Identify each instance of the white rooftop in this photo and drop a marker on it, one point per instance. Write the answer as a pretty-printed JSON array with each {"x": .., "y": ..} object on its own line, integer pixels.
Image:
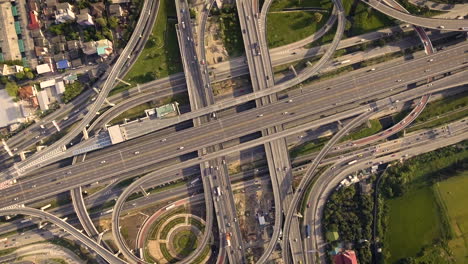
[
  {"x": 9, "y": 110},
  {"x": 47, "y": 83},
  {"x": 43, "y": 68}
]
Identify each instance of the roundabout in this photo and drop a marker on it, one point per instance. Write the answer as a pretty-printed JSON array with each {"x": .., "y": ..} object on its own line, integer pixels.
[{"x": 174, "y": 237}]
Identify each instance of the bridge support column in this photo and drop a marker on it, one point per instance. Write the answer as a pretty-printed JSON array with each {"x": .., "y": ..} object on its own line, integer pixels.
[
  {"x": 109, "y": 103},
  {"x": 85, "y": 133},
  {"x": 340, "y": 125},
  {"x": 41, "y": 225},
  {"x": 404, "y": 132},
  {"x": 22, "y": 155},
  {"x": 100, "y": 236},
  {"x": 122, "y": 81},
  {"x": 5, "y": 146},
  {"x": 291, "y": 67},
  {"x": 143, "y": 191}
]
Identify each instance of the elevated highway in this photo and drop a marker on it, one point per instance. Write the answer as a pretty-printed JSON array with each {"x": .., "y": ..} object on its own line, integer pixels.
[
  {"x": 434, "y": 23},
  {"x": 407, "y": 95},
  {"x": 410, "y": 145},
  {"x": 79, "y": 177},
  {"x": 109, "y": 257},
  {"x": 107, "y": 86},
  {"x": 117, "y": 164}
]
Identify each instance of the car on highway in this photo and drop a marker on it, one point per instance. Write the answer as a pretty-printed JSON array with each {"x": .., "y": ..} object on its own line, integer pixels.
[
  {"x": 181, "y": 148},
  {"x": 103, "y": 161}
]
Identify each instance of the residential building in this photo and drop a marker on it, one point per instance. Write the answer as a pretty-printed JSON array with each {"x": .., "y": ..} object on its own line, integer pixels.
[
  {"x": 28, "y": 94},
  {"x": 43, "y": 68},
  {"x": 345, "y": 257},
  {"x": 89, "y": 48},
  {"x": 43, "y": 100},
  {"x": 84, "y": 19},
  {"x": 77, "y": 63},
  {"x": 104, "y": 48},
  {"x": 36, "y": 33},
  {"x": 33, "y": 21},
  {"x": 6, "y": 70},
  {"x": 63, "y": 64},
  {"x": 9, "y": 43},
  {"x": 33, "y": 6},
  {"x": 59, "y": 87},
  {"x": 97, "y": 9},
  {"x": 48, "y": 83},
  {"x": 115, "y": 10},
  {"x": 41, "y": 51},
  {"x": 120, "y": 1},
  {"x": 51, "y": 3},
  {"x": 73, "y": 45},
  {"x": 64, "y": 13}
]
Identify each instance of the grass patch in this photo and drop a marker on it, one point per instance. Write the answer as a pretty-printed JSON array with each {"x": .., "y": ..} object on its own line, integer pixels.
[
  {"x": 438, "y": 112},
  {"x": 161, "y": 56},
  {"x": 364, "y": 130},
  {"x": 157, "y": 224},
  {"x": 7, "y": 251},
  {"x": 171, "y": 225},
  {"x": 308, "y": 147},
  {"x": 417, "y": 225},
  {"x": 132, "y": 113},
  {"x": 72, "y": 246},
  {"x": 453, "y": 197},
  {"x": 166, "y": 254},
  {"x": 285, "y": 28},
  {"x": 194, "y": 222},
  {"x": 203, "y": 255},
  {"x": 413, "y": 223},
  {"x": 230, "y": 31},
  {"x": 363, "y": 18},
  {"x": 185, "y": 242},
  {"x": 58, "y": 260}
]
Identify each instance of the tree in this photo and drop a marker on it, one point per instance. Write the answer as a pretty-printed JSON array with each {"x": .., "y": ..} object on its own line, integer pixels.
[
  {"x": 20, "y": 75},
  {"x": 11, "y": 88},
  {"x": 102, "y": 22},
  {"x": 317, "y": 17},
  {"x": 29, "y": 75},
  {"x": 113, "y": 22},
  {"x": 71, "y": 91}
]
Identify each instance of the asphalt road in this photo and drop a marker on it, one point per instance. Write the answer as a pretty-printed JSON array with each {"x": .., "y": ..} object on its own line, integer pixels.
[
  {"x": 410, "y": 145},
  {"x": 434, "y": 23},
  {"x": 123, "y": 158}
]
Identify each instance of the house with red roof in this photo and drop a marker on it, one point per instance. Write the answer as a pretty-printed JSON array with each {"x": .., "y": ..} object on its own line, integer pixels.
[{"x": 345, "y": 257}]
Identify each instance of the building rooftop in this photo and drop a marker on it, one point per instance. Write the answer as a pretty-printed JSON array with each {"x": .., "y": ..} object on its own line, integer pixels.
[
  {"x": 43, "y": 68},
  {"x": 63, "y": 64},
  {"x": 167, "y": 109},
  {"x": 345, "y": 257},
  {"x": 10, "y": 112},
  {"x": 8, "y": 37}
]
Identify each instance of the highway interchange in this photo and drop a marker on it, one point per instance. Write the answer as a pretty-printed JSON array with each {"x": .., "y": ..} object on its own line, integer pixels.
[{"x": 269, "y": 117}]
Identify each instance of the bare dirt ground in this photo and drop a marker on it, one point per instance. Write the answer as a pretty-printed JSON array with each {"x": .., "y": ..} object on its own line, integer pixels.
[
  {"x": 251, "y": 203},
  {"x": 129, "y": 227},
  {"x": 215, "y": 51}
]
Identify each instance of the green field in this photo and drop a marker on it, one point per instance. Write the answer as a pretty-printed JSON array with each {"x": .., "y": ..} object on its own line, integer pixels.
[
  {"x": 185, "y": 242},
  {"x": 308, "y": 147},
  {"x": 161, "y": 56},
  {"x": 427, "y": 219},
  {"x": 454, "y": 199},
  {"x": 364, "y": 130},
  {"x": 285, "y": 28},
  {"x": 413, "y": 223}
]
